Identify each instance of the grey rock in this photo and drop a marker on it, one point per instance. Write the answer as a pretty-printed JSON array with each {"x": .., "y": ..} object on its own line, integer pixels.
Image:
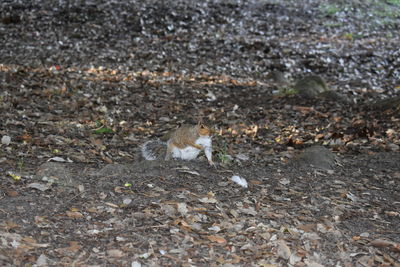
[
  {"x": 278, "y": 77},
  {"x": 317, "y": 157},
  {"x": 311, "y": 86},
  {"x": 56, "y": 172}
]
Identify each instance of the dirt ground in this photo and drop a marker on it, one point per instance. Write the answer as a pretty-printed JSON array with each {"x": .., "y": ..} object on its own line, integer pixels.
[{"x": 85, "y": 83}]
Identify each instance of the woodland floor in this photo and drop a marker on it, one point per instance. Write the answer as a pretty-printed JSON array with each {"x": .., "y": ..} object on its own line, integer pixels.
[{"x": 87, "y": 82}]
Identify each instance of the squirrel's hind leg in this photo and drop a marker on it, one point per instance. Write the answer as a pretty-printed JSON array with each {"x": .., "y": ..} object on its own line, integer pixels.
[{"x": 168, "y": 153}]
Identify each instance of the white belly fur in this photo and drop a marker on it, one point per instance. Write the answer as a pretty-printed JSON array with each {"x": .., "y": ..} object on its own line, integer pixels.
[{"x": 189, "y": 152}]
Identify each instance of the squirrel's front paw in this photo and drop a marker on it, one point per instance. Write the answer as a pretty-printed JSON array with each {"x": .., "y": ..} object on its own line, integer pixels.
[{"x": 212, "y": 163}]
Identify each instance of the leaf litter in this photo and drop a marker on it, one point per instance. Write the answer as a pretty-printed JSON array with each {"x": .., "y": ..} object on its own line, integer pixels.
[{"x": 85, "y": 83}]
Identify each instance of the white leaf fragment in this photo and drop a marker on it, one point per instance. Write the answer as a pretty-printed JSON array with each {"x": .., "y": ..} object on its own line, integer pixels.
[
  {"x": 239, "y": 180},
  {"x": 182, "y": 208},
  {"x": 15, "y": 244},
  {"x": 207, "y": 200},
  {"x": 59, "y": 159},
  {"x": 190, "y": 172},
  {"x": 215, "y": 228},
  {"x": 93, "y": 232},
  {"x": 242, "y": 157},
  {"x": 136, "y": 264},
  {"x": 211, "y": 96},
  {"x": 249, "y": 210},
  {"x": 81, "y": 188},
  {"x": 127, "y": 201},
  {"x": 144, "y": 255},
  {"x": 351, "y": 196},
  {"x": 284, "y": 181},
  {"x": 41, "y": 187}
]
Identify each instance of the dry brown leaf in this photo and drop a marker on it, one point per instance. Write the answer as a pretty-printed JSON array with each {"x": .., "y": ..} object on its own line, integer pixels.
[
  {"x": 236, "y": 259},
  {"x": 74, "y": 246},
  {"x": 319, "y": 136},
  {"x": 221, "y": 260},
  {"x": 217, "y": 239},
  {"x": 118, "y": 189},
  {"x": 307, "y": 227},
  {"x": 31, "y": 242},
  {"x": 92, "y": 210},
  {"x": 12, "y": 193},
  {"x": 11, "y": 225},
  {"x": 74, "y": 214},
  {"x": 386, "y": 243},
  {"x": 112, "y": 205},
  {"x": 115, "y": 253},
  {"x": 107, "y": 159},
  {"x": 304, "y": 110},
  {"x": 185, "y": 226}
]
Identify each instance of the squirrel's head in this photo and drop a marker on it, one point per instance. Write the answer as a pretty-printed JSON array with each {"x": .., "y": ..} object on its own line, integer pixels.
[{"x": 203, "y": 129}]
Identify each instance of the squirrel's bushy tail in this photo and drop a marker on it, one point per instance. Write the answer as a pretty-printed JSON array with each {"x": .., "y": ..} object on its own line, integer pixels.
[{"x": 152, "y": 150}]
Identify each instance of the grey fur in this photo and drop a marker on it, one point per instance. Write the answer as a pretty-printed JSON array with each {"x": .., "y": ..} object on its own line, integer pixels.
[{"x": 152, "y": 150}]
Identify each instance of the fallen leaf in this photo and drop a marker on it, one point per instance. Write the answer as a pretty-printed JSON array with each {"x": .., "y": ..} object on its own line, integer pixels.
[
  {"x": 12, "y": 193},
  {"x": 11, "y": 225},
  {"x": 182, "y": 208},
  {"x": 74, "y": 246},
  {"x": 31, "y": 242},
  {"x": 208, "y": 200},
  {"x": 217, "y": 239},
  {"x": 136, "y": 264},
  {"x": 59, "y": 159},
  {"x": 386, "y": 243},
  {"x": 239, "y": 180},
  {"x": 306, "y": 227},
  {"x": 115, "y": 253},
  {"x": 215, "y": 228},
  {"x": 38, "y": 186},
  {"x": 74, "y": 214},
  {"x": 14, "y": 176}
]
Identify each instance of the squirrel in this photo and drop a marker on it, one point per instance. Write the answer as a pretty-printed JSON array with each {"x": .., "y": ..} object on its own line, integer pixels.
[{"x": 184, "y": 143}]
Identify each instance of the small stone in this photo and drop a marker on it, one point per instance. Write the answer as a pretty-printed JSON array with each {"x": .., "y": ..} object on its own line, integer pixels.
[
  {"x": 393, "y": 147},
  {"x": 242, "y": 157},
  {"x": 283, "y": 250},
  {"x": 6, "y": 140},
  {"x": 364, "y": 234},
  {"x": 127, "y": 201},
  {"x": 136, "y": 264},
  {"x": 314, "y": 264},
  {"x": 42, "y": 260}
]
